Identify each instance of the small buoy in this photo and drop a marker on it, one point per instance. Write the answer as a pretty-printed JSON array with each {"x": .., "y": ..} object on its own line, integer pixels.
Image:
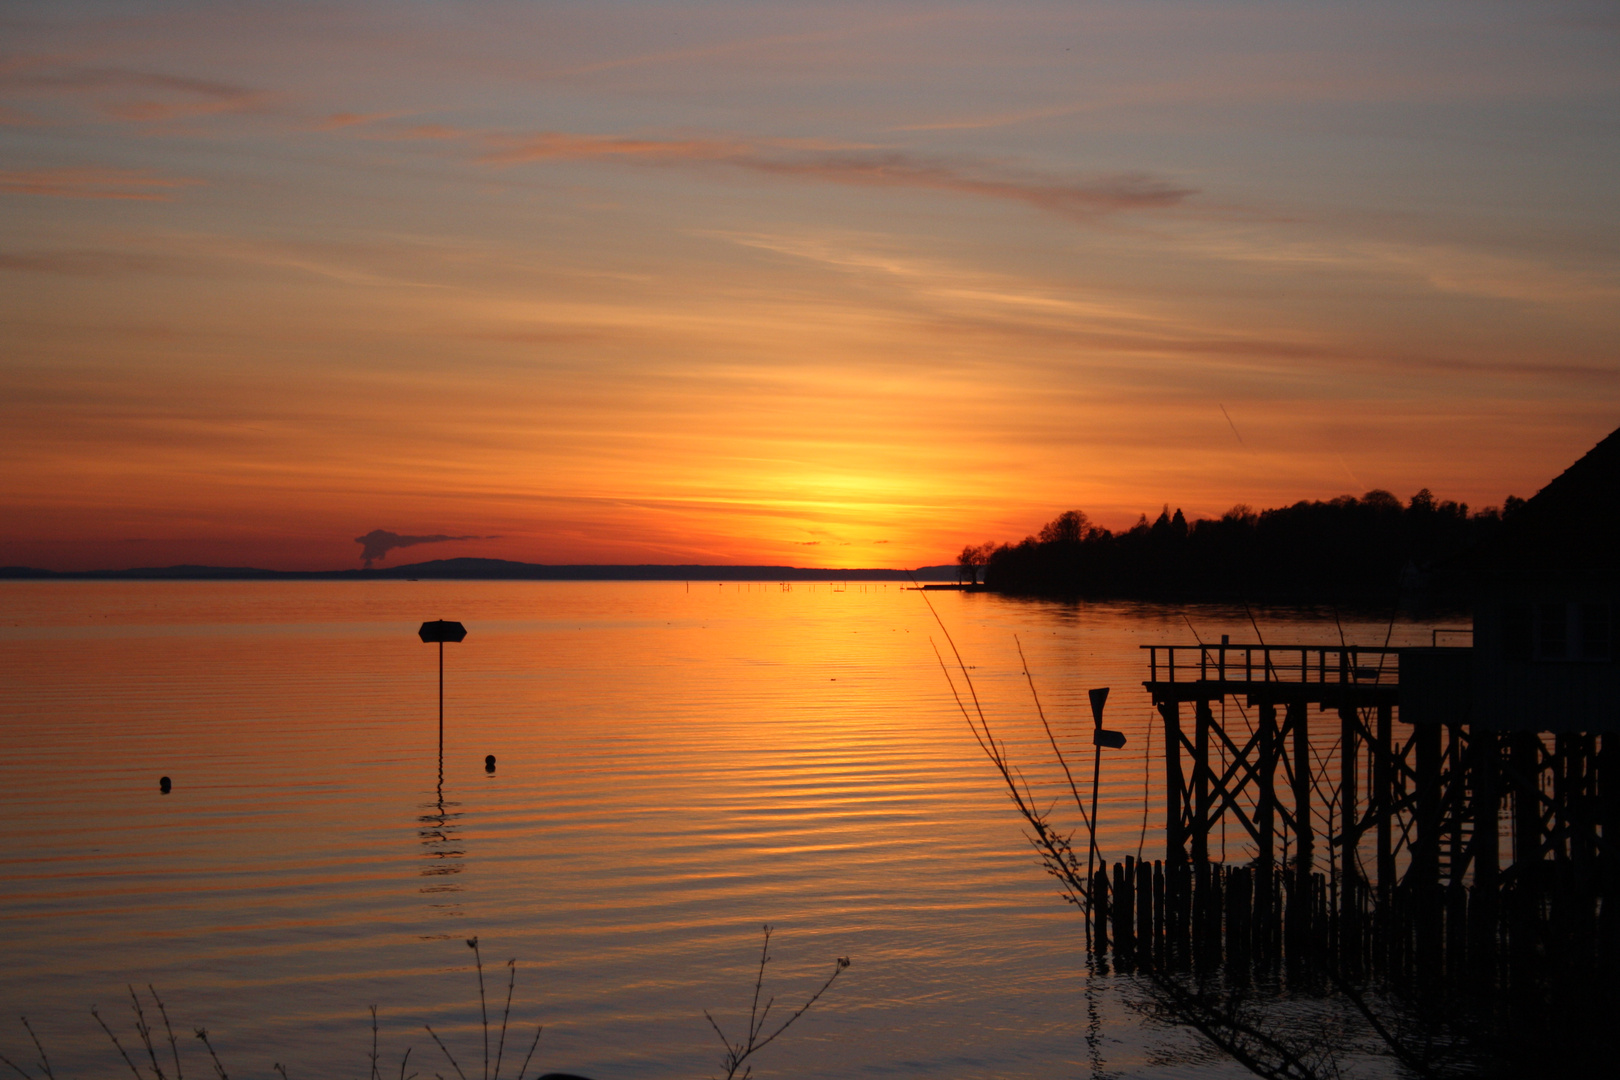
[
  {"x": 489, "y": 762},
  {"x": 164, "y": 785}
]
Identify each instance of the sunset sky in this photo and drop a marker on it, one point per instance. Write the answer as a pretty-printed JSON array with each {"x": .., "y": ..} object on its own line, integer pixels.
[{"x": 819, "y": 284}]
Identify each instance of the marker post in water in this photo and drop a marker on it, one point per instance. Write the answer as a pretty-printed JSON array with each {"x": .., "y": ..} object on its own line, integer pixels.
[
  {"x": 1100, "y": 737},
  {"x": 441, "y": 631}
]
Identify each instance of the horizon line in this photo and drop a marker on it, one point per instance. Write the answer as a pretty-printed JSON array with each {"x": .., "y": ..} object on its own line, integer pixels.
[{"x": 474, "y": 568}]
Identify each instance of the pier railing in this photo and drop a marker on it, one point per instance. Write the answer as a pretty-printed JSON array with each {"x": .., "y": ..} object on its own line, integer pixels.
[{"x": 1233, "y": 662}]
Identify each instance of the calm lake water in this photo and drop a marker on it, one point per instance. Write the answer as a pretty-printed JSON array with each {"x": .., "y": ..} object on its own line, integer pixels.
[{"x": 677, "y": 765}]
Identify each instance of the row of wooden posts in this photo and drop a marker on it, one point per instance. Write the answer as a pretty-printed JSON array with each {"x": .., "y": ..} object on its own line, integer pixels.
[{"x": 1511, "y": 941}]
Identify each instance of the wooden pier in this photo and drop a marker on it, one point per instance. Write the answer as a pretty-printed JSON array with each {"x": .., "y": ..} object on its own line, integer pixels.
[{"x": 1373, "y": 815}]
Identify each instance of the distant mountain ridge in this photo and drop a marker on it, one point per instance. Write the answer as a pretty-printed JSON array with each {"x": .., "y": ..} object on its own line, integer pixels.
[{"x": 493, "y": 570}]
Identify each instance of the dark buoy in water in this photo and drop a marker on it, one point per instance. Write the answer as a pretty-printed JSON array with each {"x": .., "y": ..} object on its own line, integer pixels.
[
  {"x": 164, "y": 785},
  {"x": 489, "y": 762}
]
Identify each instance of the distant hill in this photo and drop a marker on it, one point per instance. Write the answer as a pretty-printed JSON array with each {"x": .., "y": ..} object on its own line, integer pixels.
[{"x": 492, "y": 570}]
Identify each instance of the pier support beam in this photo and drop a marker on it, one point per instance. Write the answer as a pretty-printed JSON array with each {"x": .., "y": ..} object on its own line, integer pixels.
[
  {"x": 1350, "y": 891},
  {"x": 1201, "y": 778},
  {"x": 1266, "y": 815},
  {"x": 1299, "y": 897},
  {"x": 1426, "y": 851},
  {"x": 1382, "y": 798},
  {"x": 1524, "y": 759},
  {"x": 1174, "y": 784},
  {"x": 1484, "y": 774}
]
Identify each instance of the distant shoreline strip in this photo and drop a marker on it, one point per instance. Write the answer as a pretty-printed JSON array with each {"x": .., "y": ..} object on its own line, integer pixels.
[{"x": 491, "y": 570}]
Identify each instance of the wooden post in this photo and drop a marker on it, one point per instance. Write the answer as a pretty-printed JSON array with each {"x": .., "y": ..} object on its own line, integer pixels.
[
  {"x": 1525, "y": 918},
  {"x": 1160, "y": 926},
  {"x": 1144, "y": 914},
  {"x": 1266, "y": 813},
  {"x": 1099, "y": 910},
  {"x": 1483, "y": 911},
  {"x": 1201, "y": 771},
  {"x": 1456, "y": 793},
  {"x": 1179, "y": 884},
  {"x": 1124, "y": 912},
  {"x": 1174, "y": 783},
  {"x": 1349, "y": 834},
  {"x": 1299, "y": 913},
  {"x": 1382, "y": 798},
  {"x": 1525, "y": 756},
  {"x": 1237, "y": 924},
  {"x": 1426, "y": 850},
  {"x": 1266, "y": 802}
]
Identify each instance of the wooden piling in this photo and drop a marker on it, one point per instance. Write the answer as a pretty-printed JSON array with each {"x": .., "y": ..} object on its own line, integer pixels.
[
  {"x": 1265, "y": 819},
  {"x": 1484, "y": 778},
  {"x": 1161, "y": 930},
  {"x": 1099, "y": 911},
  {"x": 1144, "y": 914},
  {"x": 1124, "y": 912},
  {"x": 1350, "y": 893},
  {"x": 1201, "y": 781},
  {"x": 1382, "y": 797},
  {"x": 1175, "y": 831},
  {"x": 1304, "y": 830},
  {"x": 1425, "y": 898}
]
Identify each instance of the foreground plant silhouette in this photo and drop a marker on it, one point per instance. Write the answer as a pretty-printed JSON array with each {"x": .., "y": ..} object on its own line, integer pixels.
[
  {"x": 739, "y": 1052},
  {"x": 483, "y": 1011},
  {"x": 153, "y": 1065}
]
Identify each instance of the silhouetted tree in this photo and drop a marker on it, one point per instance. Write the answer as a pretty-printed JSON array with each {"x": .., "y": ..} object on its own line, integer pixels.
[
  {"x": 1347, "y": 549},
  {"x": 972, "y": 559},
  {"x": 1068, "y": 527}
]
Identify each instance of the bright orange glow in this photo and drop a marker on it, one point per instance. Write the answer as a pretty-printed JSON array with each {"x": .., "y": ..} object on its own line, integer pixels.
[{"x": 608, "y": 301}]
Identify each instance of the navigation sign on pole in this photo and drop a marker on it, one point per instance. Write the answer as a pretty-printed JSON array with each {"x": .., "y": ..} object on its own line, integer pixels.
[
  {"x": 441, "y": 631},
  {"x": 1100, "y": 735}
]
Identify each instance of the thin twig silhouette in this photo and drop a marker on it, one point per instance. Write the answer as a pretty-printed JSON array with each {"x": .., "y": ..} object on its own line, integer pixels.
[{"x": 737, "y": 1053}]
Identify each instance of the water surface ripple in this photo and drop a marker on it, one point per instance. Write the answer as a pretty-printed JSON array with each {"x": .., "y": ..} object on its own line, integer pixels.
[{"x": 677, "y": 765}]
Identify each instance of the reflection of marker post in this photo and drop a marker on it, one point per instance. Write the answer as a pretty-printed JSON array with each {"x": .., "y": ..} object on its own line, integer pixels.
[
  {"x": 1100, "y": 737},
  {"x": 441, "y": 631}
]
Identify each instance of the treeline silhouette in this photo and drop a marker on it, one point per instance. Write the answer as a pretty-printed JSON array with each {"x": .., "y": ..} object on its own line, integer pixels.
[{"x": 1347, "y": 550}]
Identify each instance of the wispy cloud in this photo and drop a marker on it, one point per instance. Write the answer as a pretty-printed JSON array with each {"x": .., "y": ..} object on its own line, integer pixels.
[
  {"x": 1444, "y": 267},
  {"x": 132, "y": 95},
  {"x": 1080, "y": 197},
  {"x": 89, "y": 182}
]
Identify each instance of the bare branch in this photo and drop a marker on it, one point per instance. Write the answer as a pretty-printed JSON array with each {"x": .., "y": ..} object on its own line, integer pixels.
[
  {"x": 115, "y": 1042},
  {"x": 446, "y": 1050}
]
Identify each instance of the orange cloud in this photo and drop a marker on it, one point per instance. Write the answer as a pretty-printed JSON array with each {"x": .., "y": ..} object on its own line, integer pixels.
[
  {"x": 338, "y": 121},
  {"x": 90, "y": 182}
]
